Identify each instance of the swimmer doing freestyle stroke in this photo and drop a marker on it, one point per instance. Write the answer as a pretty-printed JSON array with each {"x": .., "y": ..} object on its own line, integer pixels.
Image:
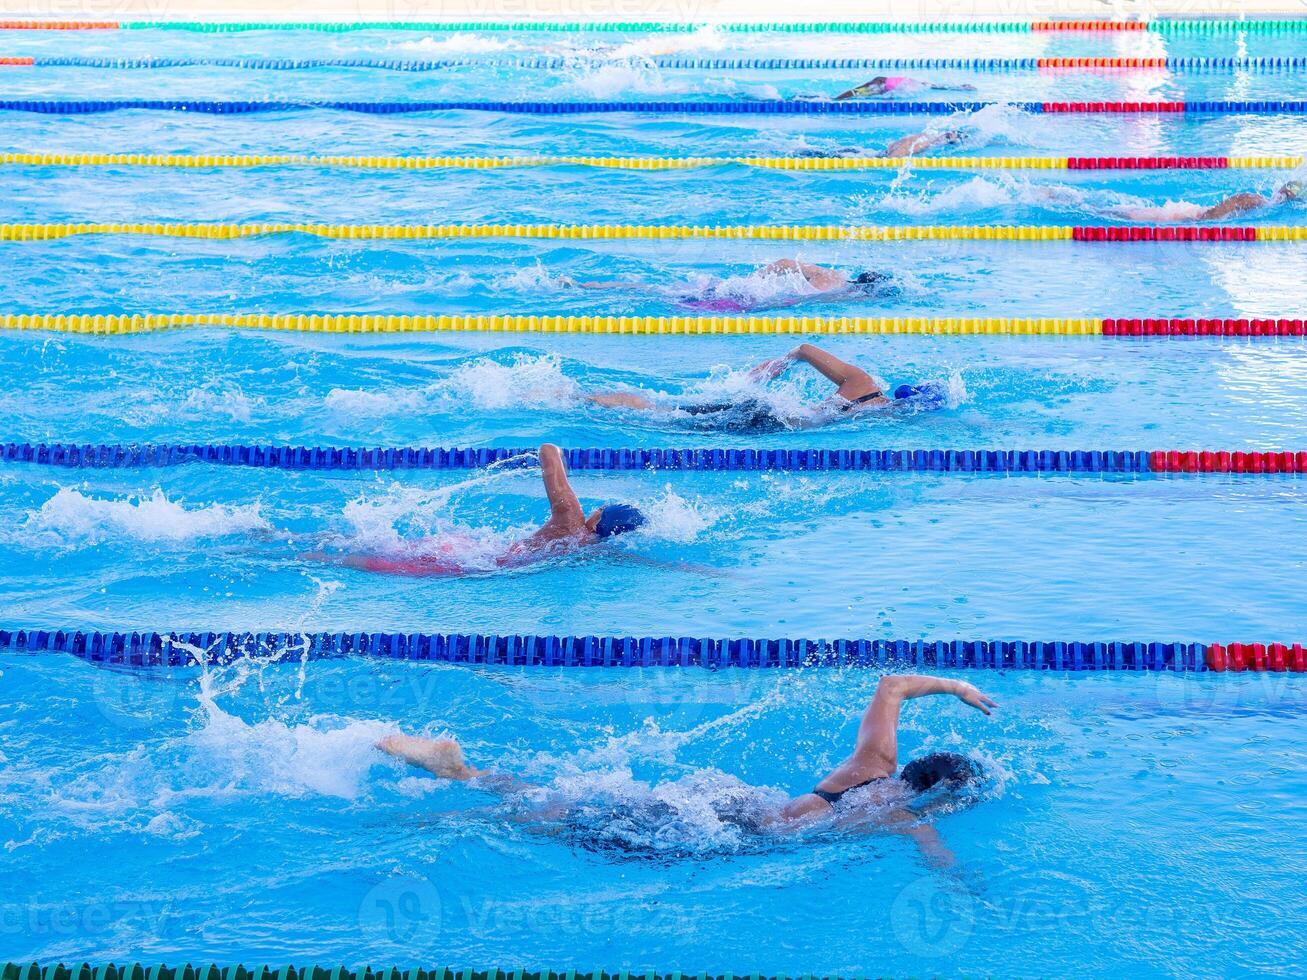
[
  {"x": 568, "y": 529},
  {"x": 867, "y": 792},
  {"x": 856, "y": 391},
  {"x": 885, "y": 85},
  {"x": 779, "y": 284},
  {"x": 1232, "y": 206}
]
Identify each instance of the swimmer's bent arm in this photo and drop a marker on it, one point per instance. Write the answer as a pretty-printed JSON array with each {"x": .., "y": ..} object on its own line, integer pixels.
[
  {"x": 876, "y": 751},
  {"x": 850, "y": 381},
  {"x": 563, "y": 504},
  {"x": 823, "y": 361}
]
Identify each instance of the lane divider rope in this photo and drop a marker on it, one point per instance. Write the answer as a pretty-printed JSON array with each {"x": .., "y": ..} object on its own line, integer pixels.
[
  {"x": 741, "y": 107},
  {"x": 183, "y": 649},
  {"x": 891, "y": 233},
  {"x": 556, "y": 62},
  {"x": 1003, "y": 461},
  {"x": 206, "y": 161},
  {"x": 108, "y": 324},
  {"x": 1162, "y": 25},
  {"x": 702, "y": 107}
]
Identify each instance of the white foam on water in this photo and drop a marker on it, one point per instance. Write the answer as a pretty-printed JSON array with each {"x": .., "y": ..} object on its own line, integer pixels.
[
  {"x": 523, "y": 380},
  {"x": 672, "y": 517},
  {"x": 999, "y": 123},
  {"x": 71, "y": 517},
  {"x": 533, "y": 278},
  {"x": 608, "y": 80},
  {"x": 527, "y": 380},
  {"x": 656, "y": 45},
  {"x": 458, "y": 44},
  {"x": 220, "y": 399},
  {"x": 754, "y": 291},
  {"x": 381, "y": 403},
  {"x": 787, "y": 397},
  {"x": 327, "y": 756},
  {"x": 413, "y": 521}
]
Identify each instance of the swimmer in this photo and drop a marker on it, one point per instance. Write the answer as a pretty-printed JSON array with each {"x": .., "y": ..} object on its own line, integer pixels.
[
  {"x": 567, "y": 530},
  {"x": 904, "y": 146},
  {"x": 1235, "y": 204},
  {"x": 856, "y": 391},
  {"x": 783, "y": 283},
  {"x": 897, "y": 85},
  {"x": 865, "y": 792}
]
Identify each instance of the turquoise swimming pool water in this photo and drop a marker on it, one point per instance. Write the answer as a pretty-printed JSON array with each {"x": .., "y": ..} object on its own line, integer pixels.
[{"x": 1128, "y": 825}]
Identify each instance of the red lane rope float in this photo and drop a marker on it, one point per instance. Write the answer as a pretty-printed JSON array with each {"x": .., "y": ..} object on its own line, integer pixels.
[
  {"x": 1113, "y": 106},
  {"x": 1085, "y": 233},
  {"x": 1257, "y": 462},
  {"x": 1238, "y": 657},
  {"x": 1089, "y": 25},
  {"x": 1147, "y": 163},
  {"x": 17, "y": 61},
  {"x": 1101, "y": 62},
  {"x": 59, "y": 25},
  {"x": 1201, "y": 327}
]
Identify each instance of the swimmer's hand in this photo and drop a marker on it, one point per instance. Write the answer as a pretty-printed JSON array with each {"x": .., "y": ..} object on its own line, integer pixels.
[
  {"x": 970, "y": 694},
  {"x": 774, "y": 368}
]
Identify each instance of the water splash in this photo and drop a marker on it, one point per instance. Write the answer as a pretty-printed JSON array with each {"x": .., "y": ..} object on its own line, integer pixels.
[
  {"x": 458, "y": 44},
  {"x": 72, "y": 518},
  {"x": 515, "y": 380},
  {"x": 529, "y": 380}
]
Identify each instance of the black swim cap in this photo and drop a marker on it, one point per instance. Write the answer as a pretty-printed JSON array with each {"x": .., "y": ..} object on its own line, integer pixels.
[
  {"x": 939, "y": 767},
  {"x": 869, "y": 277}
]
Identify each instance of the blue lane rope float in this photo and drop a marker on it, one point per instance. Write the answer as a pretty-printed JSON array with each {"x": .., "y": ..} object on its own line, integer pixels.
[
  {"x": 740, "y": 107},
  {"x": 91, "y": 456},
  {"x": 556, "y": 62},
  {"x": 147, "y": 649}
]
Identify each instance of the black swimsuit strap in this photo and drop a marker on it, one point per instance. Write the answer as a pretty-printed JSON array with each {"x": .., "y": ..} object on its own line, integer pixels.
[
  {"x": 834, "y": 797},
  {"x": 862, "y": 398}
]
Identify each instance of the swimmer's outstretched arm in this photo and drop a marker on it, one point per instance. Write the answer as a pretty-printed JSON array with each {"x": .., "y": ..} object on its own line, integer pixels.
[
  {"x": 622, "y": 399},
  {"x": 364, "y": 562}
]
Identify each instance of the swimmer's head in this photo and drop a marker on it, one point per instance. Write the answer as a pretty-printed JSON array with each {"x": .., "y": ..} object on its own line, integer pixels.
[
  {"x": 868, "y": 280},
  {"x": 948, "y": 769},
  {"x": 926, "y": 395},
  {"x": 952, "y": 137},
  {"x": 1291, "y": 190},
  {"x": 613, "y": 519}
]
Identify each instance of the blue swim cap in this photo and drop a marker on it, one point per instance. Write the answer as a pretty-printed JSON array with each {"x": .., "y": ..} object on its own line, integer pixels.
[
  {"x": 929, "y": 394},
  {"x": 618, "y": 519}
]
